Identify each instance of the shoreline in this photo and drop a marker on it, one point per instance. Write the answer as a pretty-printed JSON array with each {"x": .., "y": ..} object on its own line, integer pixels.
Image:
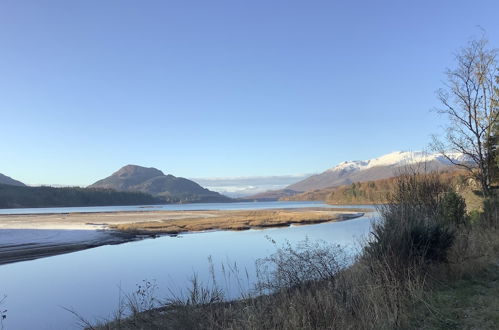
[
  {"x": 146, "y": 229},
  {"x": 40, "y": 247},
  {"x": 29, "y": 237}
]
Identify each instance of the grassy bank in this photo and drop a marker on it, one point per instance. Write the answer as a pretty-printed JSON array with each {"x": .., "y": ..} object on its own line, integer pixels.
[
  {"x": 360, "y": 297},
  {"x": 428, "y": 264},
  {"x": 468, "y": 302},
  {"x": 239, "y": 220}
]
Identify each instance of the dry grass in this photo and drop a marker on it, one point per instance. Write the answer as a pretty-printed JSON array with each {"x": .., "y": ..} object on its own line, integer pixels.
[
  {"x": 464, "y": 294},
  {"x": 468, "y": 303},
  {"x": 312, "y": 288},
  {"x": 237, "y": 220}
]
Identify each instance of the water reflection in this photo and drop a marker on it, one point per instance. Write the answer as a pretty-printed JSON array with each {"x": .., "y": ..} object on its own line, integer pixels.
[{"x": 178, "y": 207}]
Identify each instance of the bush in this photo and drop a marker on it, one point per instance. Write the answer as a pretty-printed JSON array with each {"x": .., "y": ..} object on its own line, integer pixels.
[
  {"x": 292, "y": 266},
  {"x": 453, "y": 209},
  {"x": 412, "y": 231},
  {"x": 490, "y": 216},
  {"x": 411, "y": 244}
]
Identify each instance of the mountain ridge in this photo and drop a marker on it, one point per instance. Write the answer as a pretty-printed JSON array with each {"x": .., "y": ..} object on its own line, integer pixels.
[
  {"x": 398, "y": 158},
  {"x": 382, "y": 167},
  {"x": 152, "y": 181},
  {"x": 348, "y": 172},
  {"x": 4, "y": 179},
  {"x": 377, "y": 191}
]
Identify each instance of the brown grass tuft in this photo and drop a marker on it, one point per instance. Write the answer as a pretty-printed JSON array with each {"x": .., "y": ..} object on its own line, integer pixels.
[{"x": 236, "y": 220}]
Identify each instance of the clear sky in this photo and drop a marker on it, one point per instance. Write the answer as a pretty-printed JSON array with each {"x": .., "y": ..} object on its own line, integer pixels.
[{"x": 221, "y": 88}]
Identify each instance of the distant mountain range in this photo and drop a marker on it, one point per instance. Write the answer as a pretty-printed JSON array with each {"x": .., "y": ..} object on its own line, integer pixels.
[
  {"x": 171, "y": 189},
  {"x": 8, "y": 180},
  {"x": 248, "y": 185},
  {"x": 149, "y": 180},
  {"x": 347, "y": 172},
  {"x": 386, "y": 166},
  {"x": 271, "y": 195},
  {"x": 378, "y": 191}
]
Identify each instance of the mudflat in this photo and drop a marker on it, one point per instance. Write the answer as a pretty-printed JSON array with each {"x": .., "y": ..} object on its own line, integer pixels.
[
  {"x": 31, "y": 236},
  {"x": 238, "y": 220}
]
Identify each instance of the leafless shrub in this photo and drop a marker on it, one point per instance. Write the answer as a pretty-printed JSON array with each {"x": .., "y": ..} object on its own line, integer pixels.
[
  {"x": 292, "y": 266},
  {"x": 3, "y": 312}
]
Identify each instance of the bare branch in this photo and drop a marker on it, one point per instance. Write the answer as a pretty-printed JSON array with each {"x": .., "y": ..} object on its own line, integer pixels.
[{"x": 470, "y": 102}]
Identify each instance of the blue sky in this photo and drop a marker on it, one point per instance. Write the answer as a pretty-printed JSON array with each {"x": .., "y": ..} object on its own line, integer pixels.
[{"x": 221, "y": 88}]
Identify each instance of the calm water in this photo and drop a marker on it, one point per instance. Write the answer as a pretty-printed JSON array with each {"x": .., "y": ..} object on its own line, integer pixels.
[
  {"x": 89, "y": 281},
  {"x": 174, "y": 207}
]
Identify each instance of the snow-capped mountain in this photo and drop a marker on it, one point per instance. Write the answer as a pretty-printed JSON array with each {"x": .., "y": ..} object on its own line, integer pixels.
[
  {"x": 382, "y": 167},
  {"x": 397, "y": 158}
]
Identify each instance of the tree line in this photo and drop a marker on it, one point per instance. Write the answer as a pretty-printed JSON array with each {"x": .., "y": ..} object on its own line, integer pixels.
[{"x": 21, "y": 197}]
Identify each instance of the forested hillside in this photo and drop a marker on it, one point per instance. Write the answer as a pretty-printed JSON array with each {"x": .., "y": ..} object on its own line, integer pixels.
[
  {"x": 20, "y": 197},
  {"x": 375, "y": 192}
]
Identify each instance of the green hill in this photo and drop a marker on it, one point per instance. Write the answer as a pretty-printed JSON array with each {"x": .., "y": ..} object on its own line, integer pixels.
[{"x": 22, "y": 196}]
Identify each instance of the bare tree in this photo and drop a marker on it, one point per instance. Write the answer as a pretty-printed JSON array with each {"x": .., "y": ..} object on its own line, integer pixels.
[
  {"x": 495, "y": 141},
  {"x": 470, "y": 102}
]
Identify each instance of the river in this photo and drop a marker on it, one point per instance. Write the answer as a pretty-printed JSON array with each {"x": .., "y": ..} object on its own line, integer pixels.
[
  {"x": 178, "y": 207},
  {"x": 38, "y": 292}
]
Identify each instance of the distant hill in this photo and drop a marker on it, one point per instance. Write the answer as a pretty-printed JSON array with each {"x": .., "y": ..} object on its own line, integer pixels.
[
  {"x": 271, "y": 195},
  {"x": 8, "y": 180},
  {"x": 23, "y": 197},
  {"x": 240, "y": 187},
  {"x": 134, "y": 178},
  {"x": 347, "y": 172},
  {"x": 374, "y": 192},
  {"x": 383, "y": 167},
  {"x": 369, "y": 192}
]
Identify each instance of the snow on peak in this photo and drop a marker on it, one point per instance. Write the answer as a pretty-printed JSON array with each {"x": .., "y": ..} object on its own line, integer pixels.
[
  {"x": 402, "y": 158},
  {"x": 349, "y": 166},
  {"x": 397, "y": 158}
]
